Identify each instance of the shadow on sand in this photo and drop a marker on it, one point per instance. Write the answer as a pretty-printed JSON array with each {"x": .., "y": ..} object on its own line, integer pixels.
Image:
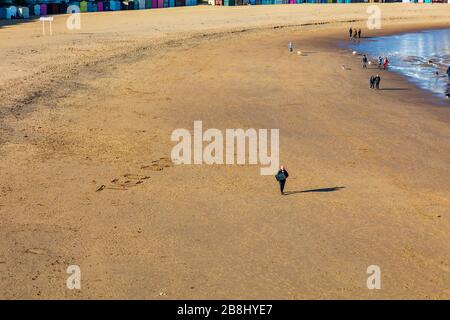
[{"x": 314, "y": 190}]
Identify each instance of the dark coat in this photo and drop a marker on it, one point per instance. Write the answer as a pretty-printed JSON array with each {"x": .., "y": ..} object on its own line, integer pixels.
[
  {"x": 286, "y": 174},
  {"x": 377, "y": 81}
]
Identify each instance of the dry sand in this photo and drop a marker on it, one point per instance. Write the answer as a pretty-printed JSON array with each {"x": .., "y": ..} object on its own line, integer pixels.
[{"x": 81, "y": 109}]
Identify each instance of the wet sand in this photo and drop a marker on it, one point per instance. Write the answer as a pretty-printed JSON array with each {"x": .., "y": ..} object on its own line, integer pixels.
[{"x": 93, "y": 109}]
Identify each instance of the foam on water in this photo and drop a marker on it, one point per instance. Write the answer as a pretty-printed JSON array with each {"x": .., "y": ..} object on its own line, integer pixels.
[{"x": 416, "y": 55}]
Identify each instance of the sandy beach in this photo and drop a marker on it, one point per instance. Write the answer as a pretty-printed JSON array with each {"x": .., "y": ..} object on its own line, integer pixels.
[{"x": 86, "y": 177}]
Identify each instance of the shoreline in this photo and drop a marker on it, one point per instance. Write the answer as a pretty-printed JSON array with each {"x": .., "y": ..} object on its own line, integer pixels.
[
  {"x": 346, "y": 45},
  {"x": 353, "y": 46}
]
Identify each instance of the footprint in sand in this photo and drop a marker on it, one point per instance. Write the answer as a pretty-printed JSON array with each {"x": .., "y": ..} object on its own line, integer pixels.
[
  {"x": 130, "y": 180},
  {"x": 127, "y": 181},
  {"x": 159, "y": 165},
  {"x": 124, "y": 182}
]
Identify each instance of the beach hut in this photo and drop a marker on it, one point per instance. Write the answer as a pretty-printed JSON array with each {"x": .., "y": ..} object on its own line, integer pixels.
[
  {"x": 63, "y": 7},
  {"x": 100, "y": 6},
  {"x": 72, "y": 7},
  {"x": 92, "y": 7},
  {"x": 106, "y": 6},
  {"x": 36, "y": 10},
  {"x": 148, "y": 4},
  {"x": 83, "y": 6},
  {"x": 51, "y": 9},
  {"x": 23, "y": 12},
  {"x": 141, "y": 4},
  {"x": 43, "y": 9},
  {"x": 13, "y": 11},
  {"x": 114, "y": 5},
  {"x": 30, "y": 10},
  {"x": 5, "y": 13}
]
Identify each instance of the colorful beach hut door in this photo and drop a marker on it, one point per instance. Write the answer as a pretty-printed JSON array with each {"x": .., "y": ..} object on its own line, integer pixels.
[
  {"x": 37, "y": 10},
  {"x": 83, "y": 6},
  {"x": 43, "y": 9}
]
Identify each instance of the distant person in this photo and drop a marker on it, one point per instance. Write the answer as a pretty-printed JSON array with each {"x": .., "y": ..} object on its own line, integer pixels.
[
  {"x": 377, "y": 82},
  {"x": 364, "y": 60},
  {"x": 380, "y": 62},
  {"x": 350, "y": 32},
  {"x": 355, "y": 33},
  {"x": 448, "y": 71},
  {"x": 386, "y": 63},
  {"x": 372, "y": 82},
  {"x": 359, "y": 33},
  {"x": 291, "y": 46},
  {"x": 281, "y": 177}
]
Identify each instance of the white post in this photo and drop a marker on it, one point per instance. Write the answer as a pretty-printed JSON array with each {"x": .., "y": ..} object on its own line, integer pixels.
[{"x": 49, "y": 19}]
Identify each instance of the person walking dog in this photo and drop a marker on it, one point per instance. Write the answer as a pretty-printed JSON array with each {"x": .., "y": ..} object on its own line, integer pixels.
[{"x": 281, "y": 177}]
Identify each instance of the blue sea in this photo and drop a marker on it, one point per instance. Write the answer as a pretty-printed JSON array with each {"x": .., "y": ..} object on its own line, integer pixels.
[{"x": 418, "y": 56}]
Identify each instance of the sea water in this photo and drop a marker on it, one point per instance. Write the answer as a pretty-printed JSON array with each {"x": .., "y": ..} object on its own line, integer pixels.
[{"x": 418, "y": 56}]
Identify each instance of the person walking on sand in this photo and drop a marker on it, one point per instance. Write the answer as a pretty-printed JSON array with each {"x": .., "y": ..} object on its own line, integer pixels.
[
  {"x": 377, "y": 82},
  {"x": 380, "y": 62},
  {"x": 291, "y": 46},
  {"x": 355, "y": 33},
  {"x": 364, "y": 60},
  {"x": 372, "y": 82},
  {"x": 350, "y": 32},
  {"x": 359, "y": 33},
  {"x": 281, "y": 177}
]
